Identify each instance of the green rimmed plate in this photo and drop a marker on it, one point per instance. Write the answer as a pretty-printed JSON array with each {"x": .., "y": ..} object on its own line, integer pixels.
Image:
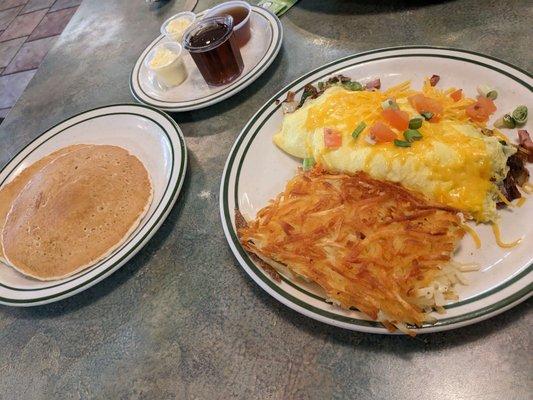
[
  {"x": 194, "y": 93},
  {"x": 256, "y": 171},
  {"x": 149, "y": 134}
]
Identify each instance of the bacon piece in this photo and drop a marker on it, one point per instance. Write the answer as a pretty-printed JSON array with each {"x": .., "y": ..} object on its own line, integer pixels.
[
  {"x": 375, "y": 84},
  {"x": 289, "y": 105},
  {"x": 509, "y": 189},
  {"x": 434, "y": 80},
  {"x": 517, "y": 167},
  {"x": 290, "y": 96},
  {"x": 517, "y": 176},
  {"x": 525, "y": 142},
  {"x": 309, "y": 92}
]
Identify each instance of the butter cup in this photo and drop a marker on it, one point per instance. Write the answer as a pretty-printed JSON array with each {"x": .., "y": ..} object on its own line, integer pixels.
[
  {"x": 177, "y": 37},
  {"x": 173, "y": 73}
]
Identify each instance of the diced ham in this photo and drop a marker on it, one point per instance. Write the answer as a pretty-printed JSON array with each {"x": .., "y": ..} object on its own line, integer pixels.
[
  {"x": 434, "y": 80},
  {"x": 524, "y": 140},
  {"x": 374, "y": 84}
]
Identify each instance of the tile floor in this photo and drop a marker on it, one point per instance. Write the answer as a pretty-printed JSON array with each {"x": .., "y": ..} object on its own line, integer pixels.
[{"x": 28, "y": 29}]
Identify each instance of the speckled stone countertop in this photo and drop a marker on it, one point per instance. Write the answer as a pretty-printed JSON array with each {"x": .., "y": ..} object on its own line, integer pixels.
[{"x": 182, "y": 319}]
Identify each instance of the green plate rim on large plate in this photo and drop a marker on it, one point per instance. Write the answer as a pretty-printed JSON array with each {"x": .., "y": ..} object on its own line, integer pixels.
[{"x": 519, "y": 287}]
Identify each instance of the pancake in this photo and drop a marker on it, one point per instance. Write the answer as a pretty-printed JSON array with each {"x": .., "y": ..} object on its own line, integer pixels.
[
  {"x": 75, "y": 211},
  {"x": 10, "y": 191}
]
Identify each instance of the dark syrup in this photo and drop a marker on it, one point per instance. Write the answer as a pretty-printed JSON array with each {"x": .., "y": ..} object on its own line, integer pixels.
[
  {"x": 238, "y": 14},
  {"x": 221, "y": 64}
]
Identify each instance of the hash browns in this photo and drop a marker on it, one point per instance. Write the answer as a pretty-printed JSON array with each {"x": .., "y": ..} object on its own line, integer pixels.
[{"x": 369, "y": 244}]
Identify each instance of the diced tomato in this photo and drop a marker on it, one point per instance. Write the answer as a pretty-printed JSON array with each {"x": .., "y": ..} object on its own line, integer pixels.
[
  {"x": 396, "y": 118},
  {"x": 486, "y": 103},
  {"x": 457, "y": 95},
  {"x": 423, "y": 104},
  {"x": 477, "y": 113},
  {"x": 332, "y": 138},
  {"x": 481, "y": 110},
  {"x": 381, "y": 133}
]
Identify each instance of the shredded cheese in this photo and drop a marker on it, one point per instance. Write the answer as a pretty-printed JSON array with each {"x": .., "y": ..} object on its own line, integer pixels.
[
  {"x": 528, "y": 188},
  {"x": 473, "y": 234},
  {"x": 496, "y": 230},
  {"x": 520, "y": 202},
  {"x": 452, "y": 110},
  {"x": 503, "y": 198},
  {"x": 500, "y": 135}
]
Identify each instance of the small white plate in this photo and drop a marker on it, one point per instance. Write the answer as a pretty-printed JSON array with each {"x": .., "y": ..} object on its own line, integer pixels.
[
  {"x": 194, "y": 92},
  {"x": 256, "y": 171},
  {"x": 147, "y": 133}
]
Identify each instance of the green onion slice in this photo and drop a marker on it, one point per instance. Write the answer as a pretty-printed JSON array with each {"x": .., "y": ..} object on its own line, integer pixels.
[
  {"x": 389, "y": 103},
  {"x": 505, "y": 122},
  {"x": 353, "y": 86},
  {"x": 487, "y": 91},
  {"x": 415, "y": 123},
  {"x": 401, "y": 143},
  {"x": 520, "y": 115},
  {"x": 411, "y": 135},
  {"x": 493, "y": 95},
  {"x": 358, "y": 129},
  {"x": 509, "y": 121},
  {"x": 427, "y": 115},
  {"x": 499, "y": 123},
  {"x": 308, "y": 163}
]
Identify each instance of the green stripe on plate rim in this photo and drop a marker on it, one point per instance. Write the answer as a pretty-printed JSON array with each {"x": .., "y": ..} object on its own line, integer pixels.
[
  {"x": 260, "y": 274},
  {"x": 162, "y": 214},
  {"x": 453, "y": 305},
  {"x": 87, "y": 271},
  {"x": 236, "y": 88}
]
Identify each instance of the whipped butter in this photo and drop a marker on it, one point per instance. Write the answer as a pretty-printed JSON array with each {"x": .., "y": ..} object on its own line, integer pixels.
[
  {"x": 177, "y": 27},
  {"x": 167, "y": 64}
]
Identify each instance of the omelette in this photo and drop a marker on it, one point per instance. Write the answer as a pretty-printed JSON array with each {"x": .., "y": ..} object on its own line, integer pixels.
[{"x": 451, "y": 161}]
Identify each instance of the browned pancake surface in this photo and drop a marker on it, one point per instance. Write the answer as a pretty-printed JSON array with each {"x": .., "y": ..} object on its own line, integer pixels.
[
  {"x": 10, "y": 191},
  {"x": 75, "y": 211}
]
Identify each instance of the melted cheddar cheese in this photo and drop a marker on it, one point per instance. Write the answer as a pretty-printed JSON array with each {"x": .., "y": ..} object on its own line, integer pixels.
[{"x": 454, "y": 163}]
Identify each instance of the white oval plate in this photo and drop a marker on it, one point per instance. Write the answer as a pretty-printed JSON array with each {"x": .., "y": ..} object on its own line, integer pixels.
[
  {"x": 256, "y": 171},
  {"x": 194, "y": 92},
  {"x": 149, "y": 134}
]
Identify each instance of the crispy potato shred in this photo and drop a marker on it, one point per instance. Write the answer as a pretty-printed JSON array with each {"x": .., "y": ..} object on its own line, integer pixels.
[{"x": 371, "y": 245}]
